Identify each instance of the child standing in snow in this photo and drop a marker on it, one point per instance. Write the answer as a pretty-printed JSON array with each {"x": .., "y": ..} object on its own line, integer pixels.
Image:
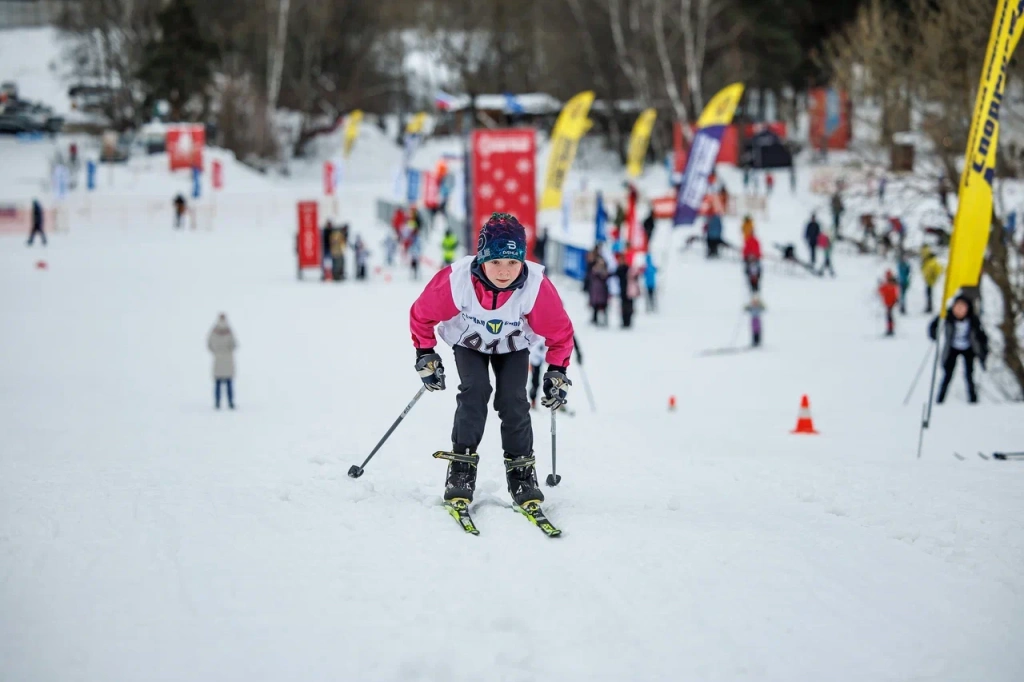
[
  {"x": 650, "y": 282},
  {"x": 903, "y": 276},
  {"x": 890, "y": 295},
  {"x": 756, "y": 309},
  {"x": 362, "y": 257},
  {"x": 491, "y": 308},
  {"x": 825, "y": 244}
]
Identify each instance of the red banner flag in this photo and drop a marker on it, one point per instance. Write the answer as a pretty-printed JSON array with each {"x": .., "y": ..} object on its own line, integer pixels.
[
  {"x": 309, "y": 236},
  {"x": 504, "y": 178},
  {"x": 185, "y": 146},
  {"x": 431, "y": 190}
]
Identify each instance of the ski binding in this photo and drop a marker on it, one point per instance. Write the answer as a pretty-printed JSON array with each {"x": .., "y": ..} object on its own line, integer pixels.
[
  {"x": 533, "y": 512},
  {"x": 459, "y": 509}
]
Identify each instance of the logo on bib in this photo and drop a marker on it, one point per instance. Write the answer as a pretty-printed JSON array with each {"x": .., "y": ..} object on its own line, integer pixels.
[{"x": 494, "y": 326}]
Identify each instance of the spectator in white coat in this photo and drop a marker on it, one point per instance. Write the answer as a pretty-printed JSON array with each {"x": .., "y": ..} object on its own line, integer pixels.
[{"x": 221, "y": 342}]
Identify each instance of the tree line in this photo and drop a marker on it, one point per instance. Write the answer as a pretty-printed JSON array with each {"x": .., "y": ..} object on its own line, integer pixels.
[{"x": 236, "y": 62}]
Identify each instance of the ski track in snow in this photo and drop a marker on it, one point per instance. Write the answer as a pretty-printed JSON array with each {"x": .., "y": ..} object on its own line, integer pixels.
[{"x": 145, "y": 536}]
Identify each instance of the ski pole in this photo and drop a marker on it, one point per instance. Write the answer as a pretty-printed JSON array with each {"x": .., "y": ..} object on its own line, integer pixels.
[
  {"x": 357, "y": 471},
  {"x": 553, "y": 478},
  {"x": 917, "y": 377},
  {"x": 586, "y": 386}
]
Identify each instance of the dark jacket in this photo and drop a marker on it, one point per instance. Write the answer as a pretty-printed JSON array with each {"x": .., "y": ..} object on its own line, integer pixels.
[
  {"x": 978, "y": 337},
  {"x": 37, "y": 215},
  {"x": 811, "y": 232},
  {"x": 597, "y": 280}
]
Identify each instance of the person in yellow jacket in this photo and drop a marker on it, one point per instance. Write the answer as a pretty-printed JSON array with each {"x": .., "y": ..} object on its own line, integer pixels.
[
  {"x": 448, "y": 246},
  {"x": 931, "y": 270},
  {"x": 747, "y": 227}
]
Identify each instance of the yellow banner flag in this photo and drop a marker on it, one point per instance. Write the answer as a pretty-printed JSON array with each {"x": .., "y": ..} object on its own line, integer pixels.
[
  {"x": 352, "y": 130},
  {"x": 974, "y": 211},
  {"x": 572, "y": 124},
  {"x": 415, "y": 124},
  {"x": 720, "y": 110},
  {"x": 638, "y": 142}
]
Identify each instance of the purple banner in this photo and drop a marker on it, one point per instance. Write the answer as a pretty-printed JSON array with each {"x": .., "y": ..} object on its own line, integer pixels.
[{"x": 699, "y": 166}]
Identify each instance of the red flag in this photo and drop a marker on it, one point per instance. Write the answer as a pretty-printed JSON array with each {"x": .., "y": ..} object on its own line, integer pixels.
[
  {"x": 504, "y": 178},
  {"x": 309, "y": 236}
]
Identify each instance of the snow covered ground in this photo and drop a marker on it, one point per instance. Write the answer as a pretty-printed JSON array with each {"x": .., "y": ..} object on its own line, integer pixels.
[{"x": 145, "y": 536}]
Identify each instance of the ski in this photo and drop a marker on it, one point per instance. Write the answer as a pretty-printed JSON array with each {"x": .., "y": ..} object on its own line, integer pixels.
[
  {"x": 459, "y": 510},
  {"x": 1005, "y": 456},
  {"x": 533, "y": 512}
]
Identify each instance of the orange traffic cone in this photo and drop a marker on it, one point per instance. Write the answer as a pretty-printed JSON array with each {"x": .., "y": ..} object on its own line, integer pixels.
[{"x": 804, "y": 423}]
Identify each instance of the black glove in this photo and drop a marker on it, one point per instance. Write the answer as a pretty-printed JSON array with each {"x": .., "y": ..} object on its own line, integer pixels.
[
  {"x": 430, "y": 369},
  {"x": 556, "y": 386}
]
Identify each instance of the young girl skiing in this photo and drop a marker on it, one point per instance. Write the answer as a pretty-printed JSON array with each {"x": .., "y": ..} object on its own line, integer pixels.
[{"x": 491, "y": 308}]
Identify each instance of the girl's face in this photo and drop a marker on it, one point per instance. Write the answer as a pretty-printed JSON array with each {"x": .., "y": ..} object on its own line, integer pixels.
[
  {"x": 503, "y": 271},
  {"x": 959, "y": 310}
]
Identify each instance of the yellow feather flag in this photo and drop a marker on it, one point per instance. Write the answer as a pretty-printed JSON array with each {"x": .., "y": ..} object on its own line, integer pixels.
[
  {"x": 352, "y": 130},
  {"x": 572, "y": 124},
  {"x": 719, "y": 111},
  {"x": 974, "y": 211},
  {"x": 638, "y": 142},
  {"x": 415, "y": 124}
]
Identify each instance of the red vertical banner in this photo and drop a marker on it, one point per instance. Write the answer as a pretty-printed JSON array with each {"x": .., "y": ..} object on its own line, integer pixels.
[
  {"x": 504, "y": 178},
  {"x": 309, "y": 236},
  {"x": 829, "y": 111},
  {"x": 218, "y": 175},
  {"x": 328, "y": 178},
  {"x": 431, "y": 190},
  {"x": 185, "y": 146}
]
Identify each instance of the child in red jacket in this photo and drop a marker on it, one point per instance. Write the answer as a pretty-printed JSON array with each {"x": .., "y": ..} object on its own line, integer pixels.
[
  {"x": 890, "y": 293},
  {"x": 490, "y": 308}
]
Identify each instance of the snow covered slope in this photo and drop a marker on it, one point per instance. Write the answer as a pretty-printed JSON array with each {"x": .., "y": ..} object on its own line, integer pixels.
[{"x": 144, "y": 535}]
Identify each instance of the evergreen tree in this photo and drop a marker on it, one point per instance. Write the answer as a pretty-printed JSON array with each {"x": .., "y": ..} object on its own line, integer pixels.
[{"x": 178, "y": 63}]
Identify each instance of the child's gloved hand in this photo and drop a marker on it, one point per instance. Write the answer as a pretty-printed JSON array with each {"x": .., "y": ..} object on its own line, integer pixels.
[
  {"x": 556, "y": 388},
  {"x": 430, "y": 369}
]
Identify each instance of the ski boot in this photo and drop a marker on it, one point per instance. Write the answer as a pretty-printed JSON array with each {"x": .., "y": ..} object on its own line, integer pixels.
[
  {"x": 461, "y": 479},
  {"x": 522, "y": 479}
]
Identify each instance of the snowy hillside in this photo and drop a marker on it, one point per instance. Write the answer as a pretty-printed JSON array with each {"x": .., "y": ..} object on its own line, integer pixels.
[
  {"x": 143, "y": 534},
  {"x": 146, "y": 536}
]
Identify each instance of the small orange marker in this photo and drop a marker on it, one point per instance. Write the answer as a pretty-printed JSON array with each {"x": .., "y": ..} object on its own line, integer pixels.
[{"x": 671, "y": 402}]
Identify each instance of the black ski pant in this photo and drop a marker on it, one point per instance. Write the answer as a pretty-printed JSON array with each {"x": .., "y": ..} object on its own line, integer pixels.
[
  {"x": 813, "y": 248},
  {"x": 34, "y": 232},
  {"x": 950, "y": 365},
  {"x": 928, "y": 298},
  {"x": 509, "y": 400},
  {"x": 627, "y": 312}
]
